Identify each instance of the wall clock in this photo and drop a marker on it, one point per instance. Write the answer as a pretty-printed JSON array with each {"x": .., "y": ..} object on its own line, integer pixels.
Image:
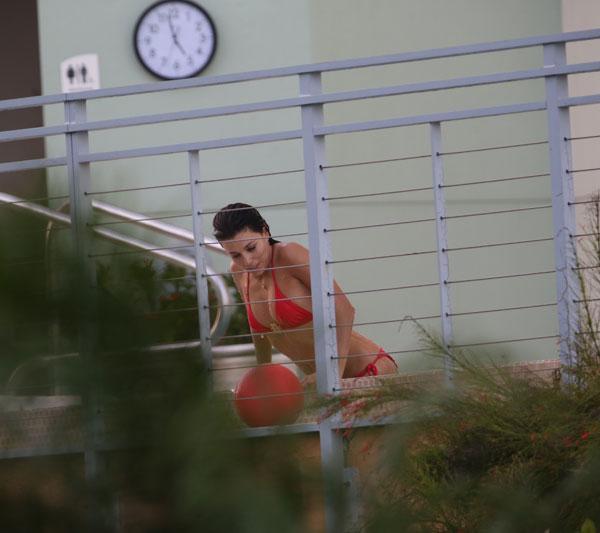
[{"x": 175, "y": 39}]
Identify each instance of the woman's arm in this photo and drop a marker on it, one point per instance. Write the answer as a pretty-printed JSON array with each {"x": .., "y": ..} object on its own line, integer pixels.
[
  {"x": 344, "y": 317},
  {"x": 344, "y": 311},
  {"x": 262, "y": 345}
]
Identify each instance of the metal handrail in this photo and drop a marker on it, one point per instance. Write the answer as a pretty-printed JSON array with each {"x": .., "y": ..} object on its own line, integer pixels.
[{"x": 222, "y": 292}]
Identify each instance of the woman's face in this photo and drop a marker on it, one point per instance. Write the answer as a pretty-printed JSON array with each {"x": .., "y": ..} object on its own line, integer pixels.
[{"x": 249, "y": 250}]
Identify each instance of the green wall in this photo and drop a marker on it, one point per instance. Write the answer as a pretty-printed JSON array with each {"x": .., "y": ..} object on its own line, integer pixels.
[{"x": 270, "y": 33}]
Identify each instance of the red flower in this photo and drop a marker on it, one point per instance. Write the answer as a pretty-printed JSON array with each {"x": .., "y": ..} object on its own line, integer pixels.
[{"x": 585, "y": 435}]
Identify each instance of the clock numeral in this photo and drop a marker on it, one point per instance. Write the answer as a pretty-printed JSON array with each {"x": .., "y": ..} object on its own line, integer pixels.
[
  {"x": 190, "y": 60},
  {"x": 163, "y": 17},
  {"x": 153, "y": 28},
  {"x": 188, "y": 15},
  {"x": 198, "y": 26},
  {"x": 174, "y": 12},
  {"x": 147, "y": 40},
  {"x": 163, "y": 60},
  {"x": 199, "y": 51},
  {"x": 176, "y": 65},
  {"x": 203, "y": 38},
  {"x": 152, "y": 52}
]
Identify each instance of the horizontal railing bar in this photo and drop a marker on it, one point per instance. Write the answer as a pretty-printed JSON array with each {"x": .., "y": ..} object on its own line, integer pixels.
[
  {"x": 158, "y": 281},
  {"x": 145, "y": 250},
  {"x": 146, "y": 188},
  {"x": 150, "y": 314},
  {"x": 394, "y": 352},
  {"x": 581, "y": 235},
  {"x": 505, "y": 341},
  {"x": 283, "y": 331},
  {"x": 33, "y": 164},
  {"x": 244, "y": 367},
  {"x": 298, "y": 101},
  {"x": 32, "y": 133},
  {"x": 506, "y": 276},
  {"x": 576, "y": 170},
  {"x": 491, "y": 245},
  {"x": 586, "y": 300},
  {"x": 208, "y": 243},
  {"x": 374, "y": 257},
  {"x": 32, "y": 101},
  {"x": 280, "y": 204},
  {"x": 405, "y": 57},
  {"x": 345, "y": 96},
  {"x": 501, "y": 309},
  {"x": 394, "y": 321},
  {"x": 582, "y": 202},
  {"x": 383, "y": 289},
  {"x": 368, "y": 195},
  {"x": 356, "y": 127},
  {"x": 374, "y": 161},
  {"x": 501, "y": 212},
  {"x": 579, "y": 100},
  {"x": 283, "y": 267},
  {"x": 238, "y": 304},
  {"x": 385, "y": 224},
  {"x": 587, "y": 267},
  {"x": 269, "y": 431},
  {"x": 249, "y": 176},
  {"x": 488, "y": 148},
  {"x": 582, "y": 137},
  {"x": 191, "y": 147},
  {"x": 164, "y": 217},
  {"x": 13, "y": 233},
  {"x": 493, "y": 180},
  {"x": 21, "y": 263}
]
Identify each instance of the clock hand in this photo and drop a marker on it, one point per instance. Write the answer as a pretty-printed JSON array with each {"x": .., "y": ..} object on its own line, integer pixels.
[{"x": 177, "y": 43}]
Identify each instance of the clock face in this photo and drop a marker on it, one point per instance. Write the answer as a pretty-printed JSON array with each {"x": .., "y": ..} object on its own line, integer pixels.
[{"x": 175, "y": 39}]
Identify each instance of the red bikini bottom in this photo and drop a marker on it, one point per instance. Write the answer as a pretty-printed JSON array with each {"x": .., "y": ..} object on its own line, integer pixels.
[{"x": 371, "y": 368}]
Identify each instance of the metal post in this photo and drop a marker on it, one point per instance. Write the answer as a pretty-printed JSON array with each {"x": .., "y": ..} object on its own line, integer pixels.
[
  {"x": 442, "y": 242},
  {"x": 201, "y": 261},
  {"x": 323, "y": 305},
  {"x": 563, "y": 212},
  {"x": 77, "y": 144}
]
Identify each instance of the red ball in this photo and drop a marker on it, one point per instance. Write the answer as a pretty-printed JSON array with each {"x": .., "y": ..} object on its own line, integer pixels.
[{"x": 269, "y": 395}]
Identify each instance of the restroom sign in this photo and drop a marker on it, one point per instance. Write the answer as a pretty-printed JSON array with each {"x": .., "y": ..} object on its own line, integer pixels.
[{"x": 80, "y": 73}]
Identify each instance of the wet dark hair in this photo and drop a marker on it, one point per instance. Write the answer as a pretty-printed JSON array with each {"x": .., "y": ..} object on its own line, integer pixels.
[{"x": 233, "y": 218}]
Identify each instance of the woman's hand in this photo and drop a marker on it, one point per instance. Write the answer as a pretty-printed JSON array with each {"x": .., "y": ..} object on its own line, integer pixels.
[{"x": 309, "y": 382}]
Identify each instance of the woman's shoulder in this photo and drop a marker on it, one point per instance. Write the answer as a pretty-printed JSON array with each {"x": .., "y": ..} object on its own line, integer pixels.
[{"x": 291, "y": 253}]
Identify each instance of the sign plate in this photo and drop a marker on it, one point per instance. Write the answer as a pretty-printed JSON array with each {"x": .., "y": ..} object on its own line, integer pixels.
[{"x": 80, "y": 73}]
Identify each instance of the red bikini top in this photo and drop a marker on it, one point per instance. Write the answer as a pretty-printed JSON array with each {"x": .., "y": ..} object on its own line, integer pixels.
[{"x": 288, "y": 314}]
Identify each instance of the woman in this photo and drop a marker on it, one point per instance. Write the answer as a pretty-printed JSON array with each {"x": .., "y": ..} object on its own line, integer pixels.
[{"x": 274, "y": 280}]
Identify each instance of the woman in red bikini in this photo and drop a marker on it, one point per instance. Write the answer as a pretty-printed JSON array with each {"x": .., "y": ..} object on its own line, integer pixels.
[{"x": 274, "y": 280}]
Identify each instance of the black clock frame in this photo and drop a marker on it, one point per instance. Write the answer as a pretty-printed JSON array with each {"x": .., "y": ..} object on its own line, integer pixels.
[{"x": 154, "y": 6}]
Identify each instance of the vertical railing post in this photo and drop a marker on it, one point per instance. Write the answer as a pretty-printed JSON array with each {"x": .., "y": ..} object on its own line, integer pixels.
[
  {"x": 201, "y": 261},
  {"x": 442, "y": 242},
  {"x": 79, "y": 178},
  {"x": 563, "y": 211},
  {"x": 323, "y": 305}
]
